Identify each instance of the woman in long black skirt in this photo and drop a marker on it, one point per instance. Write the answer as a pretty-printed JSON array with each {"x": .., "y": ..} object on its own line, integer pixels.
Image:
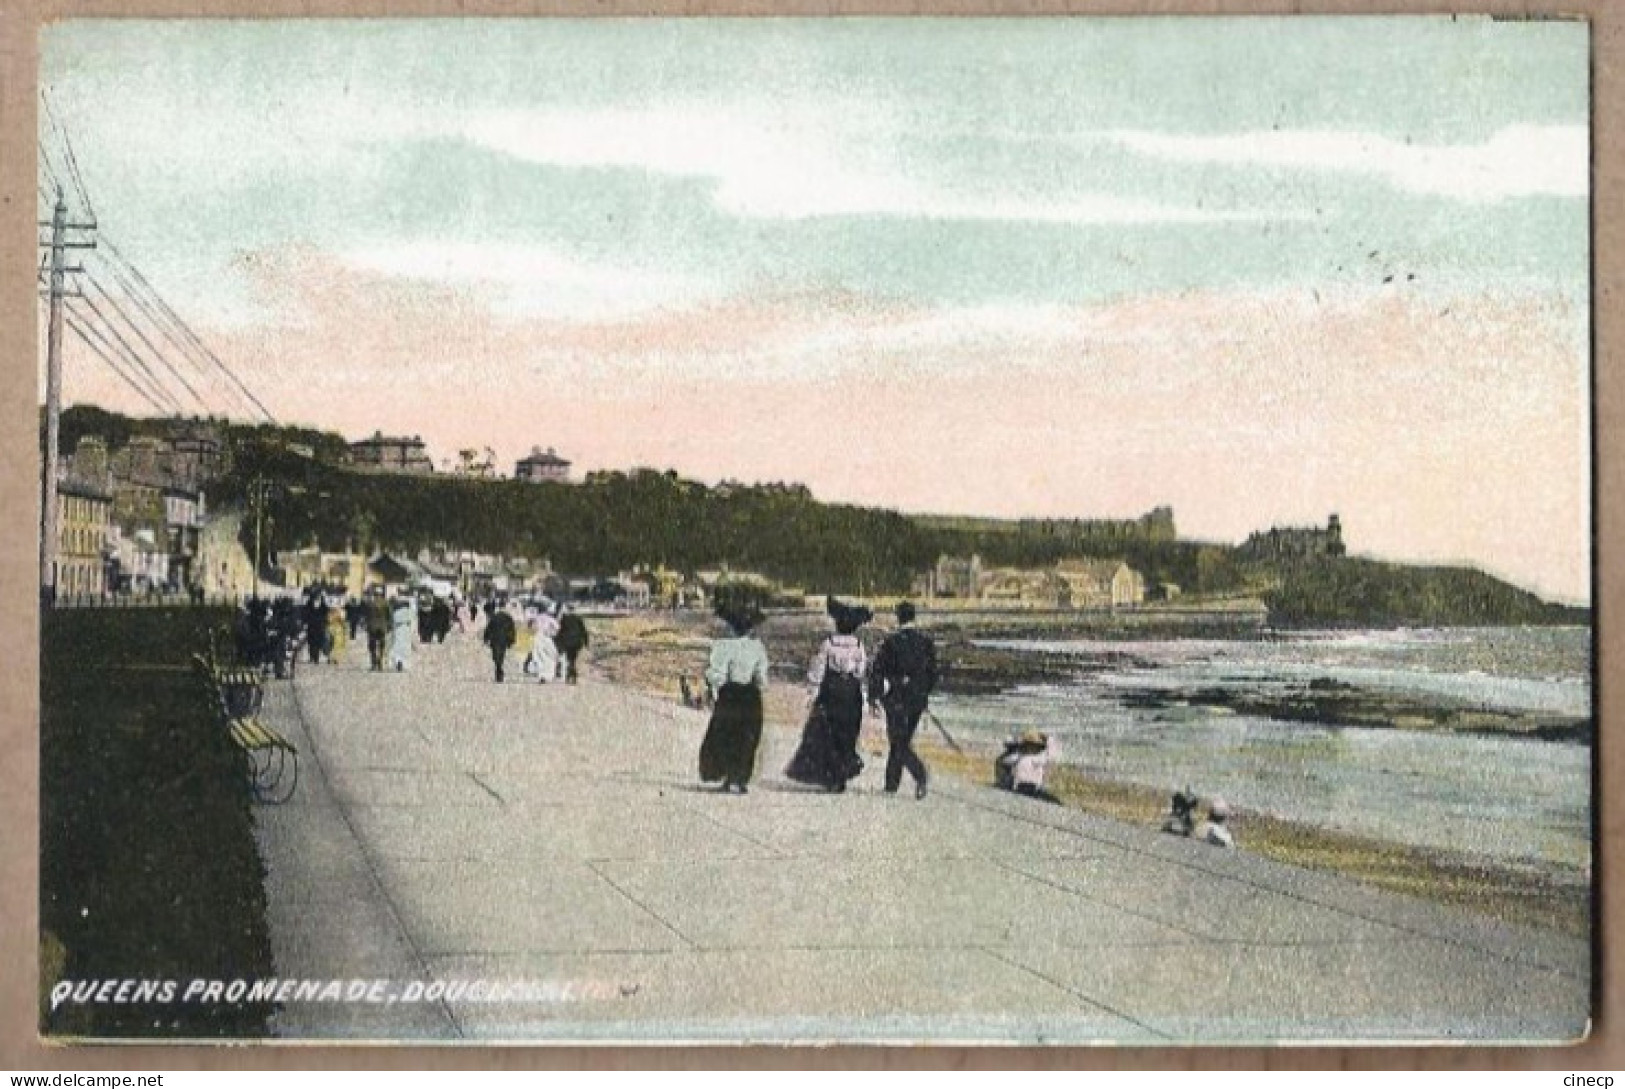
[
  {"x": 828, "y": 756},
  {"x": 737, "y": 674}
]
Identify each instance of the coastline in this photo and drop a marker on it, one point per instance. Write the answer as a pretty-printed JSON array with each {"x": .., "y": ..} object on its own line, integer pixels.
[{"x": 651, "y": 651}]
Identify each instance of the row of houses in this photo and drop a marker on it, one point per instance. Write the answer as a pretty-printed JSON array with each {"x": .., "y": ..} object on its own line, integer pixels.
[
  {"x": 408, "y": 454},
  {"x": 1069, "y": 584},
  {"x": 447, "y": 571}
]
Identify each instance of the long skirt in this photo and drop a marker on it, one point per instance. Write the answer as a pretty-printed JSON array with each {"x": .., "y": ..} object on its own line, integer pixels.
[
  {"x": 547, "y": 659},
  {"x": 828, "y": 755},
  {"x": 400, "y": 646},
  {"x": 729, "y": 750}
]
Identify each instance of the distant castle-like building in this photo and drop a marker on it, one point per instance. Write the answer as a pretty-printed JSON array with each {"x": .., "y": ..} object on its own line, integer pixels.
[{"x": 1291, "y": 543}]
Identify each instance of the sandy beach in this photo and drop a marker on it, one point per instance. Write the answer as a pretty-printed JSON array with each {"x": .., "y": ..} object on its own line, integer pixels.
[{"x": 650, "y": 652}]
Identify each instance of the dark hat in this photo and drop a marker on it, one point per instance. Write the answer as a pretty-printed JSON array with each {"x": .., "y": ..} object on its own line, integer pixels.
[
  {"x": 741, "y": 618},
  {"x": 848, "y": 618}
]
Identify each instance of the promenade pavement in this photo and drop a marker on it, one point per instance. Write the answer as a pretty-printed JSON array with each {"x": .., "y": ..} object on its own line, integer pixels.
[{"x": 447, "y": 829}]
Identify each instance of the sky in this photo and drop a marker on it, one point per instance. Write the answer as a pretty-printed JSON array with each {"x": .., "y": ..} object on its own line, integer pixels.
[{"x": 1259, "y": 270}]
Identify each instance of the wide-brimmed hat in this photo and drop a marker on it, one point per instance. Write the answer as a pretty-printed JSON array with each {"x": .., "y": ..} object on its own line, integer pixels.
[
  {"x": 1219, "y": 809},
  {"x": 847, "y": 617}
]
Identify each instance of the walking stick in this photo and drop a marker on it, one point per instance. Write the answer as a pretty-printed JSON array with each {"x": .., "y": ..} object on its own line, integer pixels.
[{"x": 946, "y": 736}]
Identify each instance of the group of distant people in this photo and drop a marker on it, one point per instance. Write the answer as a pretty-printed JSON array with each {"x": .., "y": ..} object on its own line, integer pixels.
[
  {"x": 267, "y": 633},
  {"x": 842, "y": 678},
  {"x": 323, "y": 621},
  {"x": 898, "y": 682},
  {"x": 551, "y": 635}
]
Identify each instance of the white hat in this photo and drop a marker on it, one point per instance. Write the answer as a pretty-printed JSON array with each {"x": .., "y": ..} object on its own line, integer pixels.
[{"x": 1218, "y": 809}]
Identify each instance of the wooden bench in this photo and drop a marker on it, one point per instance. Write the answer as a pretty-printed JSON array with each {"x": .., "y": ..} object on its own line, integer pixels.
[{"x": 273, "y": 760}]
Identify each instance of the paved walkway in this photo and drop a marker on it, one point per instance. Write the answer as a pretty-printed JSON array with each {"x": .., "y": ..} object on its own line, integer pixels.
[{"x": 448, "y": 828}]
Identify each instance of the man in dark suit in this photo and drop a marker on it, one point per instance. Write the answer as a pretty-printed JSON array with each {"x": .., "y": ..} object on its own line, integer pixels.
[
  {"x": 377, "y": 617},
  {"x": 901, "y": 679},
  {"x": 499, "y": 636},
  {"x": 571, "y": 640}
]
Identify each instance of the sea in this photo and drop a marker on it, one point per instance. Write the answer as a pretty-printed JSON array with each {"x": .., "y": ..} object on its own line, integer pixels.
[{"x": 1518, "y": 802}]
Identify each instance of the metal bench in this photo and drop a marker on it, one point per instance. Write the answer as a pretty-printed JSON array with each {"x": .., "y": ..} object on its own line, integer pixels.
[{"x": 272, "y": 760}]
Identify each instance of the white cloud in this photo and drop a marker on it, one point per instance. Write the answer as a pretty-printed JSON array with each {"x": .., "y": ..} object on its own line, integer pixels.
[
  {"x": 1520, "y": 160},
  {"x": 789, "y": 164},
  {"x": 531, "y": 281}
]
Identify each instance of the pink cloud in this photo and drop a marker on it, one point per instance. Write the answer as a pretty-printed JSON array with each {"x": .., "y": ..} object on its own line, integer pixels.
[{"x": 1440, "y": 428}]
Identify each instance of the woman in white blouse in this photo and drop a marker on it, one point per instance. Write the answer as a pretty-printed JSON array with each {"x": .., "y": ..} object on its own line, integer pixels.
[
  {"x": 828, "y": 756},
  {"x": 737, "y": 673}
]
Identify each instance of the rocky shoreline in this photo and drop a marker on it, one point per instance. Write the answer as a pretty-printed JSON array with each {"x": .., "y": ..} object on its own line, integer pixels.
[
  {"x": 972, "y": 667},
  {"x": 1331, "y": 703}
]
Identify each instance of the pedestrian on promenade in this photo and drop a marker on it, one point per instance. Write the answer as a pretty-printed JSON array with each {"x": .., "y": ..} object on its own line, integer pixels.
[
  {"x": 544, "y": 647},
  {"x": 355, "y": 615},
  {"x": 440, "y": 618},
  {"x": 737, "y": 673},
  {"x": 499, "y": 636},
  {"x": 402, "y": 615},
  {"x": 901, "y": 680},
  {"x": 253, "y": 639},
  {"x": 459, "y": 613},
  {"x": 315, "y": 617},
  {"x": 828, "y": 754},
  {"x": 524, "y": 643},
  {"x": 425, "y": 619},
  {"x": 572, "y": 640},
  {"x": 377, "y": 613},
  {"x": 336, "y": 637},
  {"x": 283, "y": 632}
]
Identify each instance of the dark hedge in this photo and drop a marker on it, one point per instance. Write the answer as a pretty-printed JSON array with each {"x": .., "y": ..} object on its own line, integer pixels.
[{"x": 148, "y": 865}]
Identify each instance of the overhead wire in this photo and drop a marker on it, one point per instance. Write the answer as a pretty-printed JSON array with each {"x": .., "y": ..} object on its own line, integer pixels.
[
  {"x": 84, "y": 326},
  {"x": 146, "y": 299},
  {"x": 187, "y": 331},
  {"x": 85, "y": 336},
  {"x": 131, "y": 355},
  {"x": 113, "y": 302},
  {"x": 142, "y": 296},
  {"x": 53, "y": 181},
  {"x": 159, "y": 323},
  {"x": 71, "y": 159}
]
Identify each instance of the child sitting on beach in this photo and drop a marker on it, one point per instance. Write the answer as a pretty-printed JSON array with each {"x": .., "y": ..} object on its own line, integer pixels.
[
  {"x": 1181, "y": 820},
  {"x": 1213, "y": 830}
]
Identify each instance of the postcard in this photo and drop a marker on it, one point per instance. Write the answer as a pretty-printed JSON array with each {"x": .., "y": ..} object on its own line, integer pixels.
[{"x": 860, "y": 530}]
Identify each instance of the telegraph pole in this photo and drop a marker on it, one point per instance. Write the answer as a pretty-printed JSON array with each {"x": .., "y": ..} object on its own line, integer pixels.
[
  {"x": 259, "y": 492},
  {"x": 50, "y": 527}
]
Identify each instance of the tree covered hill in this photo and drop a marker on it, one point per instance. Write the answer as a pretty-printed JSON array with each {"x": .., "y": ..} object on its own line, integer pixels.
[
  {"x": 613, "y": 520},
  {"x": 1347, "y": 592}
]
